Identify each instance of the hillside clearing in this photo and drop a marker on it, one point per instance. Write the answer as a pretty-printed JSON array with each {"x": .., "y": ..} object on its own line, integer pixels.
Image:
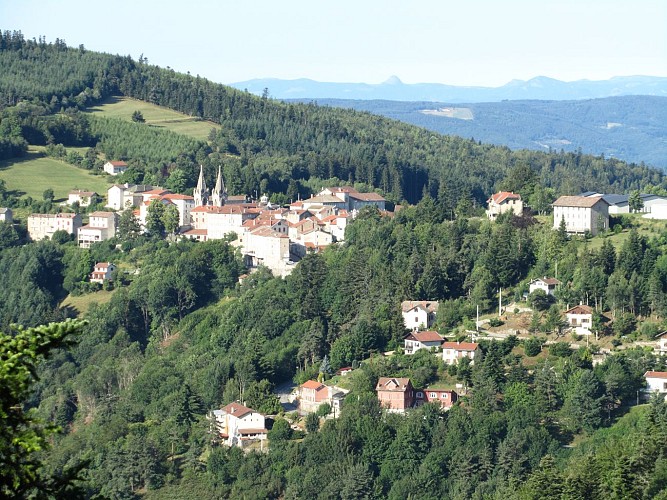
[
  {"x": 81, "y": 303},
  {"x": 34, "y": 173},
  {"x": 155, "y": 116}
]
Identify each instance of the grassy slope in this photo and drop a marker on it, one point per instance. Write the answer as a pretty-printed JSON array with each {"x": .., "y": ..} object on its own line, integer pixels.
[
  {"x": 82, "y": 303},
  {"x": 157, "y": 116},
  {"x": 34, "y": 173}
]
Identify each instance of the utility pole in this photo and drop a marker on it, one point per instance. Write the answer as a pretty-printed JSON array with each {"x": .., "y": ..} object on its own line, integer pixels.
[
  {"x": 477, "y": 322},
  {"x": 500, "y": 302}
]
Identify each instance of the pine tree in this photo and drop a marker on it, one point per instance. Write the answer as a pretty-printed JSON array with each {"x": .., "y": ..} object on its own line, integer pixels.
[{"x": 21, "y": 473}]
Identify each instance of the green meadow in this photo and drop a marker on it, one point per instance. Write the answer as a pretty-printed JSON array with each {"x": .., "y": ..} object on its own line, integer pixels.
[
  {"x": 155, "y": 116},
  {"x": 34, "y": 173}
]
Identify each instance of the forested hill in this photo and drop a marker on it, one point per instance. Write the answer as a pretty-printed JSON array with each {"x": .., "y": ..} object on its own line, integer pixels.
[
  {"x": 276, "y": 147},
  {"x": 630, "y": 128}
]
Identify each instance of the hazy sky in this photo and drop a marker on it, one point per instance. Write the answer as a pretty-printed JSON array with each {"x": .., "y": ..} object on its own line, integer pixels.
[{"x": 462, "y": 42}]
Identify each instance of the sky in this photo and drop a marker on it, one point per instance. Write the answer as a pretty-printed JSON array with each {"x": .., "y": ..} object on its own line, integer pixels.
[{"x": 462, "y": 42}]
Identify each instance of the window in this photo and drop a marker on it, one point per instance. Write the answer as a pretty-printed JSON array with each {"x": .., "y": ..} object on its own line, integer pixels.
[{"x": 433, "y": 395}]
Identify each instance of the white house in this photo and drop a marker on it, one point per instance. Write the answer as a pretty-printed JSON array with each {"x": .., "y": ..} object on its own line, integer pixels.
[
  {"x": 661, "y": 348},
  {"x": 503, "y": 202},
  {"x": 419, "y": 313},
  {"x": 6, "y": 215},
  {"x": 580, "y": 318},
  {"x": 547, "y": 285},
  {"x": 184, "y": 204},
  {"x": 422, "y": 340},
  {"x": 42, "y": 226},
  {"x": 101, "y": 226},
  {"x": 83, "y": 198},
  {"x": 122, "y": 196},
  {"x": 581, "y": 214},
  {"x": 236, "y": 424},
  {"x": 102, "y": 272},
  {"x": 264, "y": 246},
  {"x": 115, "y": 167},
  {"x": 453, "y": 351},
  {"x": 656, "y": 382}
]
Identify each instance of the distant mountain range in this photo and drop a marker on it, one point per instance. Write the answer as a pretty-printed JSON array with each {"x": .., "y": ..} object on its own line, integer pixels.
[
  {"x": 631, "y": 128},
  {"x": 393, "y": 89}
]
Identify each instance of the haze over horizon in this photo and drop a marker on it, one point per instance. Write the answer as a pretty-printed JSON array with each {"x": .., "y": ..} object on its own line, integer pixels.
[{"x": 478, "y": 43}]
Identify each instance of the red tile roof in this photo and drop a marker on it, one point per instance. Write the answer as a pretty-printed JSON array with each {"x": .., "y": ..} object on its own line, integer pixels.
[
  {"x": 158, "y": 192},
  {"x": 580, "y": 309},
  {"x": 118, "y": 163},
  {"x": 655, "y": 375},
  {"x": 237, "y": 409},
  {"x": 461, "y": 346},
  {"x": 427, "y": 336},
  {"x": 175, "y": 196},
  {"x": 196, "y": 232},
  {"x": 393, "y": 384},
  {"x": 547, "y": 281},
  {"x": 502, "y": 196},
  {"x": 312, "y": 384}
]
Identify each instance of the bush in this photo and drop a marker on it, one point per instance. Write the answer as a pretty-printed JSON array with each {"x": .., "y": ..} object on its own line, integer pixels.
[
  {"x": 539, "y": 300},
  {"x": 324, "y": 410},
  {"x": 560, "y": 349},
  {"x": 312, "y": 423},
  {"x": 494, "y": 322},
  {"x": 532, "y": 346},
  {"x": 281, "y": 430}
]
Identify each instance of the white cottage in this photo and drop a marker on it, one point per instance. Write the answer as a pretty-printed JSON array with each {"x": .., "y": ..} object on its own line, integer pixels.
[
  {"x": 422, "y": 340},
  {"x": 656, "y": 382},
  {"x": 236, "y": 424},
  {"x": 419, "y": 313}
]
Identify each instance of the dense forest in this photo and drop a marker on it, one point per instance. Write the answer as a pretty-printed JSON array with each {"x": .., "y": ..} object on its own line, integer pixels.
[{"x": 178, "y": 335}]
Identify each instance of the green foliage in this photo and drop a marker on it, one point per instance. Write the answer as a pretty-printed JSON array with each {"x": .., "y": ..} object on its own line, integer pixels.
[
  {"x": 532, "y": 346},
  {"x": 560, "y": 349},
  {"x": 21, "y": 435},
  {"x": 539, "y": 300},
  {"x": 495, "y": 322},
  {"x": 179, "y": 335},
  {"x": 312, "y": 422},
  {"x": 281, "y": 431}
]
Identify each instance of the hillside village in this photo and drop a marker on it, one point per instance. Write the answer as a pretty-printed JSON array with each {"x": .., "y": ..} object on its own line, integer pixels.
[
  {"x": 273, "y": 236},
  {"x": 230, "y": 296}
]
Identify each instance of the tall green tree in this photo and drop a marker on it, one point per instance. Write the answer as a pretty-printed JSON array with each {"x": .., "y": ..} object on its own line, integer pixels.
[{"x": 22, "y": 436}]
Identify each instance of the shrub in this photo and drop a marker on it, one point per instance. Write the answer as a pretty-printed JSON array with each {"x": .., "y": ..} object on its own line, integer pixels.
[
  {"x": 532, "y": 346},
  {"x": 560, "y": 349},
  {"x": 494, "y": 322}
]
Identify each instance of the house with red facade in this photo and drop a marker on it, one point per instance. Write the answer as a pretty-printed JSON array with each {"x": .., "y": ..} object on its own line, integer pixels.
[
  {"x": 395, "y": 393},
  {"x": 445, "y": 398}
]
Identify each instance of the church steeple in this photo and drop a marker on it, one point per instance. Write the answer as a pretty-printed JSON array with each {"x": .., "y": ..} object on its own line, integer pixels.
[
  {"x": 219, "y": 192},
  {"x": 200, "y": 193}
]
